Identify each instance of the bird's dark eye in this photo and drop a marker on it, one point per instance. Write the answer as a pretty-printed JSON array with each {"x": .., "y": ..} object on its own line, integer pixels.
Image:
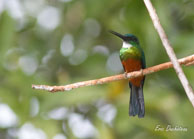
[{"x": 134, "y": 39}]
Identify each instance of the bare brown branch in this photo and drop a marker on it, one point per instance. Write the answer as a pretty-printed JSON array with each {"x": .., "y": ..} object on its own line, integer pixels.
[
  {"x": 185, "y": 61},
  {"x": 169, "y": 50}
]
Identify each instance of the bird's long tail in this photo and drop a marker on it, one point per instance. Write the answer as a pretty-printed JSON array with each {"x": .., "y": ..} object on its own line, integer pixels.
[{"x": 136, "y": 101}]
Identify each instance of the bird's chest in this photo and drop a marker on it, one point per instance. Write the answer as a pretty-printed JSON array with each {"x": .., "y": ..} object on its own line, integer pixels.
[{"x": 132, "y": 64}]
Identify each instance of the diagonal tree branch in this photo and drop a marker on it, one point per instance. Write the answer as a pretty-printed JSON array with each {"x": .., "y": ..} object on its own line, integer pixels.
[
  {"x": 170, "y": 51},
  {"x": 186, "y": 61}
]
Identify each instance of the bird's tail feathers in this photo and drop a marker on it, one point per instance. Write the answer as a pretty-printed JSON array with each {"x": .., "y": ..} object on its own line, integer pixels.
[{"x": 136, "y": 101}]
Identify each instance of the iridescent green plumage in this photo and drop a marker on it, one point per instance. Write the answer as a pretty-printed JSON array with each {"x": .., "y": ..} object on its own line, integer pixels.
[{"x": 133, "y": 52}]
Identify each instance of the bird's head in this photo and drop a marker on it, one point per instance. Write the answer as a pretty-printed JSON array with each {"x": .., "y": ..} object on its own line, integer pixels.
[{"x": 128, "y": 39}]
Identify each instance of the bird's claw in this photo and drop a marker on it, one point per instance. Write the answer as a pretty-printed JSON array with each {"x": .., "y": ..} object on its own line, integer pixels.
[
  {"x": 125, "y": 75},
  {"x": 141, "y": 72}
]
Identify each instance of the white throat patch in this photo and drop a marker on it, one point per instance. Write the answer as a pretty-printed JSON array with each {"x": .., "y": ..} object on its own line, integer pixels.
[{"x": 126, "y": 45}]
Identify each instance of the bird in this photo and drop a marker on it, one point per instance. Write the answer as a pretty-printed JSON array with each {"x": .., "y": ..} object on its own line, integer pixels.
[{"x": 133, "y": 59}]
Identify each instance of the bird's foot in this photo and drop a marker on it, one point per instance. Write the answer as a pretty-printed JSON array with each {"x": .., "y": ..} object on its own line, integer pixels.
[
  {"x": 125, "y": 75},
  {"x": 141, "y": 72}
]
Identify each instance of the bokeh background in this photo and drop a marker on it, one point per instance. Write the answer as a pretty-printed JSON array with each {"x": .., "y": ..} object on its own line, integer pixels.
[{"x": 57, "y": 42}]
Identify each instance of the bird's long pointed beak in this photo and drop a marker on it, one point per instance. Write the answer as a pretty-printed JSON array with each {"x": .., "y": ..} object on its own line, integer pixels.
[{"x": 118, "y": 34}]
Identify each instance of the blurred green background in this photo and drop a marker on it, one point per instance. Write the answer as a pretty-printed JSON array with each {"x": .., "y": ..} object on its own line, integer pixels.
[{"x": 57, "y": 42}]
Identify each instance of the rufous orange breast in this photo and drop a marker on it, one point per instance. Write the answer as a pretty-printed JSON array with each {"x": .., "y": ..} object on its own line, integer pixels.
[{"x": 133, "y": 65}]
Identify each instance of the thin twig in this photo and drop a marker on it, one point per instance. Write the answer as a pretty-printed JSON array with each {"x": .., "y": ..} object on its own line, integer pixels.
[
  {"x": 170, "y": 51},
  {"x": 185, "y": 61}
]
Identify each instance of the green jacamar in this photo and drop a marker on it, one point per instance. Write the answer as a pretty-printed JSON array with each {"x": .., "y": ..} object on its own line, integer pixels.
[{"x": 133, "y": 59}]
